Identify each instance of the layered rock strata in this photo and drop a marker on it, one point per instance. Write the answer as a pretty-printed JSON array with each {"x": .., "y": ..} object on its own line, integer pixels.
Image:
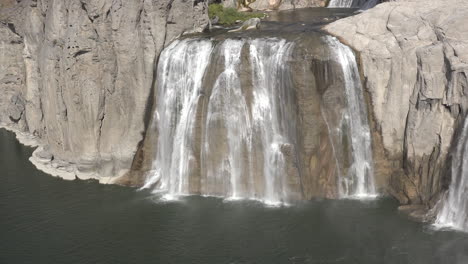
[{"x": 77, "y": 75}]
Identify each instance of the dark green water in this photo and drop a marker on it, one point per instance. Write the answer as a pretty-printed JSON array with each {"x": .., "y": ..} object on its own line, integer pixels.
[{"x": 47, "y": 220}]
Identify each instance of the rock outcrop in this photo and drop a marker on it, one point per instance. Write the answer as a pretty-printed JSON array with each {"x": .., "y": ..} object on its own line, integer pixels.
[
  {"x": 414, "y": 60},
  {"x": 78, "y": 75}
]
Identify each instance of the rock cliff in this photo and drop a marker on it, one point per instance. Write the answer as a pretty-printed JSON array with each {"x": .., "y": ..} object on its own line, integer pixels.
[
  {"x": 77, "y": 75},
  {"x": 414, "y": 60}
]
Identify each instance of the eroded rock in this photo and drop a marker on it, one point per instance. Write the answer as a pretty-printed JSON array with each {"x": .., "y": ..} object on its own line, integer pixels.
[
  {"x": 415, "y": 64},
  {"x": 78, "y": 74}
]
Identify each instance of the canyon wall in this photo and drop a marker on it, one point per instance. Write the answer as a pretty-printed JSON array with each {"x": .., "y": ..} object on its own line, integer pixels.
[
  {"x": 77, "y": 75},
  {"x": 414, "y": 62}
]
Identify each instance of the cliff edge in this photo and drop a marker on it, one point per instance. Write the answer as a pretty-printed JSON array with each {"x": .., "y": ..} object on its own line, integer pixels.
[{"x": 414, "y": 60}]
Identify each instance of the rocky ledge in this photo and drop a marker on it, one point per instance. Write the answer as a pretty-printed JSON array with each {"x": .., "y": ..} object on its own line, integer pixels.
[{"x": 414, "y": 60}]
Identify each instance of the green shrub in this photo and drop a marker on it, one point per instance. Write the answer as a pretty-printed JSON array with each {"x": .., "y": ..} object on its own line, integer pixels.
[{"x": 229, "y": 16}]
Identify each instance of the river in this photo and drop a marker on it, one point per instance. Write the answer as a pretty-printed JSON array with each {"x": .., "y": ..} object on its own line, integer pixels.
[{"x": 48, "y": 220}]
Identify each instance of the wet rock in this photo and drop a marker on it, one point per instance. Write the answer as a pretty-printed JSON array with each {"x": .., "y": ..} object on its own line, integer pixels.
[{"x": 252, "y": 23}]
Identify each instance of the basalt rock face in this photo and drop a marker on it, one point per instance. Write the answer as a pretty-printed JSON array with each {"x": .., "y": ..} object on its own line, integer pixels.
[
  {"x": 414, "y": 58},
  {"x": 12, "y": 78},
  {"x": 77, "y": 74}
]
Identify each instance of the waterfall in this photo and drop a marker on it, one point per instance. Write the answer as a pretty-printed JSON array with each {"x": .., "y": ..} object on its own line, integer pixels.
[
  {"x": 340, "y": 3},
  {"x": 454, "y": 212},
  {"x": 180, "y": 72},
  {"x": 271, "y": 116},
  {"x": 245, "y": 129},
  {"x": 228, "y": 120},
  {"x": 227, "y": 114},
  {"x": 359, "y": 180},
  {"x": 361, "y": 4}
]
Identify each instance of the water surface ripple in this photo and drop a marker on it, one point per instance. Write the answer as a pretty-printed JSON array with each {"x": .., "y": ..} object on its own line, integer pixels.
[{"x": 47, "y": 220}]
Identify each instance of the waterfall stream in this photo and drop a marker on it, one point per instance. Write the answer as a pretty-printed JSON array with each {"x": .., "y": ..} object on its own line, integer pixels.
[
  {"x": 340, "y": 3},
  {"x": 359, "y": 180},
  {"x": 244, "y": 132},
  {"x": 226, "y": 160},
  {"x": 454, "y": 212},
  {"x": 180, "y": 74},
  {"x": 226, "y": 122},
  {"x": 271, "y": 118},
  {"x": 361, "y": 4}
]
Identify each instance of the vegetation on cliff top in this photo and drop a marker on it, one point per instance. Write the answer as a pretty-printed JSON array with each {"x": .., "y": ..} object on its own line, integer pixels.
[{"x": 229, "y": 16}]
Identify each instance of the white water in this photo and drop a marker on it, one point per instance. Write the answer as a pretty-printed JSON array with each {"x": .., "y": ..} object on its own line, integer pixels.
[
  {"x": 229, "y": 136},
  {"x": 271, "y": 82},
  {"x": 454, "y": 212},
  {"x": 341, "y": 3},
  {"x": 362, "y": 5},
  {"x": 180, "y": 72},
  {"x": 359, "y": 181},
  {"x": 245, "y": 129},
  {"x": 228, "y": 130}
]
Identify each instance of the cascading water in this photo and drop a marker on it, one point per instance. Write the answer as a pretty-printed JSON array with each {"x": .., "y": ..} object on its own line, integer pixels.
[
  {"x": 454, "y": 212},
  {"x": 233, "y": 119},
  {"x": 341, "y": 3},
  {"x": 245, "y": 129},
  {"x": 272, "y": 122},
  {"x": 359, "y": 180},
  {"x": 180, "y": 72},
  {"x": 226, "y": 164},
  {"x": 361, "y": 4}
]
